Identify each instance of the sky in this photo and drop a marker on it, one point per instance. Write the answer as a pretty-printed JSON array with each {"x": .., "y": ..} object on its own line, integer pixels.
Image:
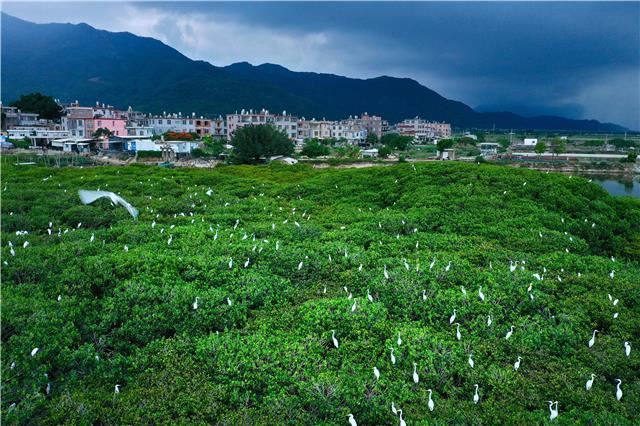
[{"x": 578, "y": 60}]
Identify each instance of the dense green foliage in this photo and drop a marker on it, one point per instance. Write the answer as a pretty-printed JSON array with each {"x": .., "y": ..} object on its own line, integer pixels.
[
  {"x": 314, "y": 148},
  {"x": 126, "y": 316},
  {"x": 445, "y": 144},
  {"x": 396, "y": 141},
  {"x": 102, "y": 131},
  {"x": 253, "y": 143},
  {"x": 38, "y": 103},
  {"x": 540, "y": 147}
]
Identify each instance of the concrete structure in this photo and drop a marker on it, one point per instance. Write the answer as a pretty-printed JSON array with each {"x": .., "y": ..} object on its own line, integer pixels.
[
  {"x": 219, "y": 128},
  {"x": 13, "y": 117},
  {"x": 371, "y": 123},
  {"x": 448, "y": 154},
  {"x": 350, "y": 130},
  {"x": 39, "y": 136},
  {"x": 141, "y": 131},
  {"x": 422, "y": 130},
  {"x": 117, "y": 126},
  {"x": 314, "y": 129},
  {"x": 488, "y": 149},
  {"x": 284, "y": 122},
  {"x": 369, "y": 153},
  {"x": 171, "y": 123},
  {"x": 530, "y": 141}
]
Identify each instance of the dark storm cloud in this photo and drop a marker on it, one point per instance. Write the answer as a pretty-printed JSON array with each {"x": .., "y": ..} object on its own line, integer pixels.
[{"x": 577, "y": 59}]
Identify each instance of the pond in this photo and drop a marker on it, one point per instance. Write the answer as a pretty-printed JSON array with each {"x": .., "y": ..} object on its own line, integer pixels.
[{"x": 619, "y": 186}]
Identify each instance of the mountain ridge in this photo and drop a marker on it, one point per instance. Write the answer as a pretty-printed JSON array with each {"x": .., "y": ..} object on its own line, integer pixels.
[{"x": 89, "y": 64}]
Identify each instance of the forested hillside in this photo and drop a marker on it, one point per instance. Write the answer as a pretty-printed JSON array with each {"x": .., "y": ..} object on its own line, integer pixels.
[{"x": 290, "y": 295}]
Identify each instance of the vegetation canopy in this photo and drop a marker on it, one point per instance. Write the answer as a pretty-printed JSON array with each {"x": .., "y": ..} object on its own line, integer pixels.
[{"x": 220, "y": 303}]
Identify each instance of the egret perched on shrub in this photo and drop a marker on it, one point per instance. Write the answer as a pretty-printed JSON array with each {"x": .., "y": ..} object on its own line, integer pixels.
[
  {"x": 393, "y": 357},
  {"x": 553, "y": 411},
  {"x": 627, "y": 348},
  {"x": 195, "y": 303},
  {"x": 333, "y": 337},
  {"x": 470, "y": 361},
  {"x": 509, "y": 333},
  {"x": 489, "y": 320},
  {"x": 416, "y": 379},
  {"x": 399, "y": 341},
  {"x": 452, "y": 318},
  {"x": 476, "y": 397},
  {"x": 352, "y": 420},
  {"x": 376, "y": 373},
  {"x": 516, "y": 365},
  {"x": 116, "y": 389},
  {"x": 402, "y": 422},
  {"x": 34, "y": 351},
  {"x": 589, "y": 383},
  {"x": 593, "y": 338},
  {"x": 481, "y": 294},
  {"x": 369, "y": 296},
  {"x": 458, "y": 335},
  {"x": 618, "y": 390},
  {"x": 430, "y": 403}
]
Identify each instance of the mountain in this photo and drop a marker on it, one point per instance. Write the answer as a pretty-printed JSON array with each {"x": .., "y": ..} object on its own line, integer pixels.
[{"x": 79, "y": 62}]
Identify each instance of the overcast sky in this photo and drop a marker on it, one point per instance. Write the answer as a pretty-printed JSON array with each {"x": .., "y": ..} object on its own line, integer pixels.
[{"x": 580, "y": 60}]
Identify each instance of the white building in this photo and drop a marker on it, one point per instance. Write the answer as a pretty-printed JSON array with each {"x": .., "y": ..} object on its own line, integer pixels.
[
  {"x": 314, "y": 129},
  {"x": 530, "y": 141},
  {"x": 37, "y": 135},
  {"x": 349, "y": 130},
  {"x": 422, "y": 130},
  {"x": 172, "y": 123},
  {"x": 284, "y": 122}
]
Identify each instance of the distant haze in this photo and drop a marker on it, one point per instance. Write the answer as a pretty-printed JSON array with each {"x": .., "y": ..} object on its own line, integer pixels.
[{"x": 579, "y": 60}]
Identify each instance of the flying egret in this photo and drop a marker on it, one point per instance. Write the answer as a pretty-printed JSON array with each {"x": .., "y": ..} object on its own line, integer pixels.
[
  {"x": 481, "y": 294},
  {"x": 399, "y": 341},
  {"x": 452, "y": 318},
  {"x": 195, "y": 303},
  {"x": 416, "y": 379},
  {"x": 333, "y": 337},
  {"x": 476, "y": 397},
  {"x": 393, "y": 357},
  {"x": 509, "y": 333},
  {"x": 376, "y": 373},
  {"x": 516, "y": 365},
  {"x": 88, "y": 197},
  {"x": 458, "y": 335},
  {"x": 593, "y": 338},
  {"x": 352, "y": 420},
  {"x": 553, "y": 411},
  {"x": 618, "y": 390},
  {"x": 627, "y": 348},
  {"x": 430, "y": 403},
  {"x": 590, "y": 382}
]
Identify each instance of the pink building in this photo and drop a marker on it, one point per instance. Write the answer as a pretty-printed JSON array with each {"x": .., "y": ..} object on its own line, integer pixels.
[{"x": 117, "y": 126}]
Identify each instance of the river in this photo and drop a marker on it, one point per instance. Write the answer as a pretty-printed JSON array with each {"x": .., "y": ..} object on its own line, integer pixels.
[{"x": 628, "y": 186}]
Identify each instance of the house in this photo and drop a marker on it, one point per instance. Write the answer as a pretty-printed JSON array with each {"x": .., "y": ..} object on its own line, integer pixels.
[
  {"x": 530, "y": 141},
  {"x": 489, "y": 149},
  {"x": 369, "y": 153},
  {"x": 39, "y": 136},
  {"x": 422, "y": 130},
  {"x": 448, "y": 154},
  {"x": 284, "y": 122}
]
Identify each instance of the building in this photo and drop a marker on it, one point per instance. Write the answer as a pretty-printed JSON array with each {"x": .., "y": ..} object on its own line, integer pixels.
[
  {"x": 488, "y": 149},
  {"x": 219, "y": 128},
  {"x": 172, "y": 123},
  {"x": 39, "y": 136},
  {"x": 136, "y": 130},
  {"x": 13, "y": 117},
  {"x": 423, "y": 130},
  {"x": 369, "y": 153},
  {"x": 284, "y": 122},
  {"x": 314, "y": 129},
  {"x": 350, "y": 130},
  {"x": 530, "y": 141},
  {"x": 371, "y": 123}
]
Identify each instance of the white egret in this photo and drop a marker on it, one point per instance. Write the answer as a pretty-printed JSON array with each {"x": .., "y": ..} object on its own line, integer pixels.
[
  {"x": 615, "y": 302},
  {"x": 360, "y": 268},
  {"x": 117, "y": 389},
  {"x": 481, "y": 294},
  {"x": 230, "y": 263},
  {"x": 354, "y": 306},
  {"x": 93, "y": 237},
  {"x": 386, "y": 274},
  {"x": 352, "y": 420},
  {"x": 509, "y": 333},
  {"x": 369, "y": 296},
  {"x": 246, "y": 264},
  {"x": 393, "y": 408},
  {"x": 416, "y": 379},
  {"x": 195, "y": 303},
  {"x": 553, "y": 411},
  {"x": 424, "y": 295},
  {"x": 376, "y": 373},
  {"x": 399, "y": 341},
  {"x": 393, "y": 357},
  {"x": 516, "y": 365},
  {"x": 448, "y": 267},
  {"x": 593, "y": 338},
  {"x": 612, "y": 274},
  {"x": 430, "y": 403},
  {"x": 88, "y": 197},
  {"x": 589, "y": 383},
  {"x": 470, "y": 361},
  {"x": 229, "y": 302},
  {"x": 333, "y": 337},
  {"x": 34, "y": 351},
  {"x": 452, "y": 318},
  {"x": 59, "y": 297},
  {"x": 402, "y": 422},
  {"x": 300, "y": 265},
  {"x": 476, "y": 397},
  {"x": 464, "y": 291},
  {"x": 170, "y": 239},
  {"x": 627, "y": 348},
  {"x": 458, "y": 335},
  {"x": 618, "y": 390},
  {"x": 433, "y": 262}
]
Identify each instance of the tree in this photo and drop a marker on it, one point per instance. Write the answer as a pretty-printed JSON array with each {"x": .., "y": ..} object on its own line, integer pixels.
[
  {"x": 444, "y": 144},
  {"x": 251, "y": 143},
  {"x": 504, "y": 142},
  {"x": 45, "y": 106},
  {"x": 384, "y": 152},
  {"x": 371, "y": 139},
  {"x": 540, "y": 148},
  {"x": 620, "y": 143},
  {"x": 632, "y": 157},
  {"x": 559, "y": 146},
  {"x": 313, "y": 148},
  {"x": 396, "y": 141},
  {"x": 102, "y": 132}
]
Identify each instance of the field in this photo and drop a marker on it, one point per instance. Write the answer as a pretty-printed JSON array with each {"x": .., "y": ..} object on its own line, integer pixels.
[{"x": 217, "y": 305}]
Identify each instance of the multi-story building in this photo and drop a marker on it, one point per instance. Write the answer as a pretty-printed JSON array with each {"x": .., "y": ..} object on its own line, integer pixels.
[
  {"x": 314, "y": 129},
  {"x": 371, "y": 123},
  {"x": 284, "y": 122},
  {"x": 172, "y": 123},
  {"x": 350, "y": 130},
  {"x": 39, "y": 136},
  {"x": 421, "y": 129},
  {"x": 134, "y": 129},
  {"x": 13, "y": 117},
  {"x": 219, "y": 128}
]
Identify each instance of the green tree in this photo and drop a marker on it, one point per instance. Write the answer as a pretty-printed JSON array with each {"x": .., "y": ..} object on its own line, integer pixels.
[
  {"x": 251, "y": 143},
  {"x": 102, "y": 131},
  {"x": 540, "y": 148},
  {"x": 620, "y": 143},
  {"x": 396, "y": 141},
  {"x": 504, "y": 142},
  {"x": 384, "y": 152},
  {"x": 371, "y": 139},
  {"x": 559, "y": 146},
  {"x": 632, "y": 157},
  {"x": 444, "y": 144},
  {"x": 313, "y": 148},
  {"x": 45, "y": 106}
]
